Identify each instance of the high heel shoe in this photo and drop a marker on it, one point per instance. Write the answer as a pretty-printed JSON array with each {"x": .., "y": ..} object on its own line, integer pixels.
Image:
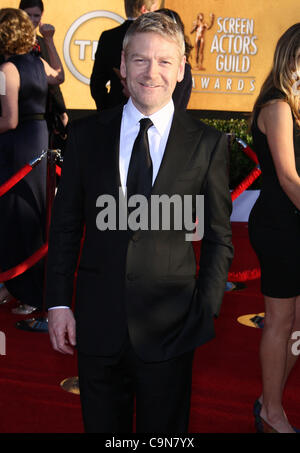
[
  {"x": 267, "y": 428},
  {"x": 257, "y": 418},
  {"x": 261, "y": 425},
  {"x": 23, "y": 309}
]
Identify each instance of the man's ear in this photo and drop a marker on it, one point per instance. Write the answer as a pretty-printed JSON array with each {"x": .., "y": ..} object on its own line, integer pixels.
[
  {"x": 143, "y": 10},
  {"x": 181, "y": 69},
  {"x": 123, "y": 65}
]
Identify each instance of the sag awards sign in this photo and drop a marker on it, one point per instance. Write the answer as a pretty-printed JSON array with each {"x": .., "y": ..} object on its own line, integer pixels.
[{"x": 233, "y": 44}]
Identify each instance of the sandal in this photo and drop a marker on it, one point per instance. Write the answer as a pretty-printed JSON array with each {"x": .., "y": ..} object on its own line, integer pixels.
[
  {"x": 5, "y": 295},
  {"x": 23, "y": 309}
]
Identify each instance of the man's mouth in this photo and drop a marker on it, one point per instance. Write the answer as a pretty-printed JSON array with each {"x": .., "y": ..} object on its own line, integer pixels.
[{"x": 148, "y": 85}]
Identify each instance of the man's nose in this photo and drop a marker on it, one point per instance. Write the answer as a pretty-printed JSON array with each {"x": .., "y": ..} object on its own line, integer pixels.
[{"x": 152, "y": 68}]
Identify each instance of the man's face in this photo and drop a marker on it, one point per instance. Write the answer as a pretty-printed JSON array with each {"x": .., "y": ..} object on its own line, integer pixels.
[
  {"x": 152, "y": 66},
  {"x": 35, "y": 15},
  {"x": 155, "y": 6}
]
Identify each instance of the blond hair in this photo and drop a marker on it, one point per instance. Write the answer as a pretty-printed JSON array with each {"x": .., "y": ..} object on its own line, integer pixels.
[
  {"x": 133, "y": 7},
  {"x": 158, "y": 23},
  {"x": 17, "y": 35},
  {"x": 284, "y": 73}
]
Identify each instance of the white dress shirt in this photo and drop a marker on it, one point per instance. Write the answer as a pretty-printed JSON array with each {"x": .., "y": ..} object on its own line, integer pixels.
[{"x": 157, "y": 136}]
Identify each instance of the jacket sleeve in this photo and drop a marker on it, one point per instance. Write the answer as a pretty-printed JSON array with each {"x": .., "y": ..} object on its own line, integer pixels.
[
  {"x": 216, "y": 249},
  {"x": 66, "y": 229},
  {"x": 100, "y": 74}
]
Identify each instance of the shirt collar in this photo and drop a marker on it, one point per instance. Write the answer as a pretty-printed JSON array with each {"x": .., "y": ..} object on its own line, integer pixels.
[{"x": 161, "y": 119}]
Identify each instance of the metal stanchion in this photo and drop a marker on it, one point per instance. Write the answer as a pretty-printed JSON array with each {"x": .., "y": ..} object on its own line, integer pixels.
[
  {"x": 253, "y": 320},
  {"x": 40, "y": 324},
  {"x": 71, "y": 385}
]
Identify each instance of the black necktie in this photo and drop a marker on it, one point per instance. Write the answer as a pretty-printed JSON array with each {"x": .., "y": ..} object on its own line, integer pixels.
[{"x": 139, "y": 177}]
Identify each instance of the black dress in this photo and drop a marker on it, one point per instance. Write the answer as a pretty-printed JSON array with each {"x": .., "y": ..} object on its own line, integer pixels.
[
  {"x": 22, "y": 226},
  {"x": 274, "y": 222}
]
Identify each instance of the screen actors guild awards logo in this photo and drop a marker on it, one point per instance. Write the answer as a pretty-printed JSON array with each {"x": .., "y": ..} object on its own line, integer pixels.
[{"x": 200, "y": 27}]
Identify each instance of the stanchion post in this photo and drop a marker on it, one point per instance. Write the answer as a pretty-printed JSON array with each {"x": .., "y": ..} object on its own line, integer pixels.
[
  {"x": 52, "y": 156},
  {"x": 41, "y": 324}
]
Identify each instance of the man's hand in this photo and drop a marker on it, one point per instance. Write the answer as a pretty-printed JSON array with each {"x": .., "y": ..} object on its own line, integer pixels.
[{"x": 62, "y": 330}]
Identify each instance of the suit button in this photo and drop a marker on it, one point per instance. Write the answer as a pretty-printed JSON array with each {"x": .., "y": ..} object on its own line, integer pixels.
[
  {"x": 131, "y": 277},
  {"x": 135, "y": 237}
]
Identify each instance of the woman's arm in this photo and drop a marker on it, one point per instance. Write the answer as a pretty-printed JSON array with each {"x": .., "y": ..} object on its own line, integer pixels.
[
  {"x": 276, "y": 121},
  {"x": 54, "y": 70},
  {"x": 9, "y": 100}
]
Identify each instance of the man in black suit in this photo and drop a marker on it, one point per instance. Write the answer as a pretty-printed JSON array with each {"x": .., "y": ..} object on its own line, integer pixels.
[
  {"x": 108, "y": 57},
  {"x": 140, "y": 308}
]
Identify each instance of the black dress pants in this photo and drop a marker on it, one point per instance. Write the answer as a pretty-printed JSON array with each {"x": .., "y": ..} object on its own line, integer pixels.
[{"x": 109, "y": 386}]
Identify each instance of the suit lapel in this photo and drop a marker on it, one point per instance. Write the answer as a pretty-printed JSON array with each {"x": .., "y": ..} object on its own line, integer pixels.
[{"x": 183, "y": 139}]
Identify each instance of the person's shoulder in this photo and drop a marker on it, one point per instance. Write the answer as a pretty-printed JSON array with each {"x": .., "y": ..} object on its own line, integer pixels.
[
  {"x": 96, "y": 119},
  {"x": 275, "y": 102},
  {"x": 10, "y": 67},
  {"x": 276, "y": 112}
]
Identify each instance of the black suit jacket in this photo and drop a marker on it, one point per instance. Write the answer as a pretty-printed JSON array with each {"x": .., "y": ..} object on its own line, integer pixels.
[
  {"x": 142, "y": 282},
  {"x": 107, "y": 57}
]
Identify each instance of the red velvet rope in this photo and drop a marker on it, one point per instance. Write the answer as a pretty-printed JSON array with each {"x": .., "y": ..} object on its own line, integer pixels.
[
  {"x": 25, "y": 265},
  {"x": 245, "y": 183},
  {"x": 15, "y": 179},
  {"x": 37, "y": 256},
  {"x": 58, "y": 170},
  {"x": 254, "y": 273},
  {"x": 250, "y": 153},
  {"x": 244, "y": 275}
]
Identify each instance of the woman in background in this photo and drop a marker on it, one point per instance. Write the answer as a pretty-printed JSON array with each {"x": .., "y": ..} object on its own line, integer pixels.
[
  {"x": 56, "y": 112},
  {"x": 23, "y": 137},
  {"x": 274, "y": 225}
]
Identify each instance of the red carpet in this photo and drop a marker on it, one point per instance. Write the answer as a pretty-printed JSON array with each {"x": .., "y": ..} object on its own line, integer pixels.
[{"x": 226, "y": 372}]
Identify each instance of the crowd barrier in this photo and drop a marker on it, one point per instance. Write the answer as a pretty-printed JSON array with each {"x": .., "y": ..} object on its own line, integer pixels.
[
  {"x": 52, "y": 156},
  {"x": 53, "y": 170}
]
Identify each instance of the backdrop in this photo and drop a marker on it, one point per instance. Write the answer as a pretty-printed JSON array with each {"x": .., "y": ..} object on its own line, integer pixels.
[{"x": 233, "y": 43}]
